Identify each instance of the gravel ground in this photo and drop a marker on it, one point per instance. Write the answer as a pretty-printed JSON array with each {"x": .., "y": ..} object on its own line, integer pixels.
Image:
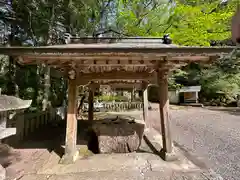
[{"x": 211, "y": 134}]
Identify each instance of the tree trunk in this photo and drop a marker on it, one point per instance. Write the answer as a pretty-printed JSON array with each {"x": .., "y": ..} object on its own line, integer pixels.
[
  {"x": 46, "y": 104},
  {"x": 68, "y": 17},
  {"x": 46, "y": 69},
  {"x": 12, "y": 87}
]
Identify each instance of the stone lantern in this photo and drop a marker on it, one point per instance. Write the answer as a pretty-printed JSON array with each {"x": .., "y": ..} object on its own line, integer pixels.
[{"x": 9, "y": 106}]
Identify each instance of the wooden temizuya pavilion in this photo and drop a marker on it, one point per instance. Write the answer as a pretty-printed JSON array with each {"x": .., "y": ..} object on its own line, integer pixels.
[{"x": 96, "y": 60}]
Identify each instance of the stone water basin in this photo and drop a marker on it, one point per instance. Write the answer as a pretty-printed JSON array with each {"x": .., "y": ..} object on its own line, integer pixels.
[{"x": 116, "y": 134}]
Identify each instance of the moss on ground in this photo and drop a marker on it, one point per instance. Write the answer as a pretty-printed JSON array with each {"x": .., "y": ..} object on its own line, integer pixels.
[{"x": 84, "y": 151}]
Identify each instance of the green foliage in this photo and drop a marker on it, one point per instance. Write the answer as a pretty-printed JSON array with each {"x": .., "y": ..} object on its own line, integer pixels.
[
  {"x": 222, "y": 81},
  {"x": 142, "y": 17},
  {"x": 190, "y": 23},
  {"x": 172, "y": 80},
  {"x": 196, "y": 25}
]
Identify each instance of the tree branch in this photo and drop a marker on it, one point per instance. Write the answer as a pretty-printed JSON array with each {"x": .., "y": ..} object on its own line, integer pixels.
[{"x": 144, "y": 15}]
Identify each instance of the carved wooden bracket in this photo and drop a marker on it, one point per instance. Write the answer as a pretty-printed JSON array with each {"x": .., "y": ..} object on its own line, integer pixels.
[
  {"x": 72, "y": 74},
  {"x": 145, "y": 84},
  {"x": 94, "y": 85}
]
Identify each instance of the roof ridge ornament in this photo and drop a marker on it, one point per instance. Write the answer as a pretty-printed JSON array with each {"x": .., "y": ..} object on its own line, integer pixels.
[{"x": 166, "y": 39}]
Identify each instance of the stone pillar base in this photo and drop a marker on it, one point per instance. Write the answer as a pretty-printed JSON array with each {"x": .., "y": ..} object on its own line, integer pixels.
[
  {"x": 168, "y": 156},
  {"x": 69, "y": 158}
]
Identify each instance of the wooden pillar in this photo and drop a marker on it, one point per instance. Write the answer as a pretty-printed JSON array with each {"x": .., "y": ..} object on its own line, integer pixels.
[
  {"x": 71, "y": 152},
  {"x": 91, "y": 103},
  {"x": 145, "y": 103},
  {"x": 133, "y": 94},
  {"x": 196, "y": 93},
  {"x": 166, "y": 151}
]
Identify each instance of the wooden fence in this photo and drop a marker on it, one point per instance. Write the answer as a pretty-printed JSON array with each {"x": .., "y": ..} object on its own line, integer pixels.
[
  {"x": 122, "y": 106},
  {"x": 27, "y": 123}
]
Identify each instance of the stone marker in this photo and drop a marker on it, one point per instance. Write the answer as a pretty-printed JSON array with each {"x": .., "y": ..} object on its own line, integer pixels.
[{"x": 118, "y": 134}]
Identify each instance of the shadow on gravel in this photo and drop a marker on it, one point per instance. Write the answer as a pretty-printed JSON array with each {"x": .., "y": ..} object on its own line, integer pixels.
[
  {"x": 152, "y": 147},
  {"x": 197, "y": 160},
  {"x": 230, "y": 110}
]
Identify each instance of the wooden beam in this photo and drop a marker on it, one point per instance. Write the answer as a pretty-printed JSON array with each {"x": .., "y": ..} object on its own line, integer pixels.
[
  {"x": 94, "y": 86},
  {"x": 106, "y": 82},
  {"x": 140, "y": 60},
  {"x": 125, "y": 85},
  {"x": 80, "y": 66},
  {"x": 101, "y": 59},
  {"x": 115, "y": 75},
  {"x": 178, "y": 59}
]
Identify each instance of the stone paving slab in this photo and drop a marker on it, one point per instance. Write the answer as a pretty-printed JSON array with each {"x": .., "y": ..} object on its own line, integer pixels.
[
  {"x": 30, "y": 160},
  {"x": 119, "y": 175},
  {"x": 143, "y": 165},
  {"x": 88, "y": 176},
  {"x": 106, "y": 162}
]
